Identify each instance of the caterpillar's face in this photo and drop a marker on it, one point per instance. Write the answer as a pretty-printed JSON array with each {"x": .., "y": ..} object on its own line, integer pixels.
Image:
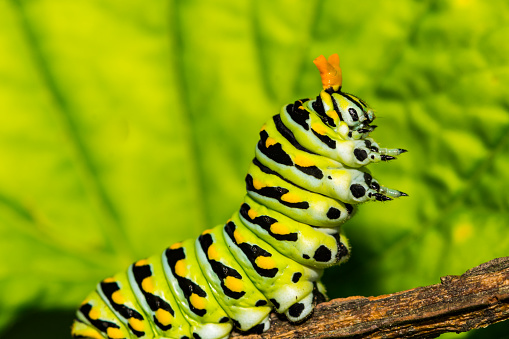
[{"x": 353, "y": 110}]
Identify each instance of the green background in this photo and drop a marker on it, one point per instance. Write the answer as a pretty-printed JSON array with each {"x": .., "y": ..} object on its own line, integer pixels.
[{"x": 128, "y": 125}]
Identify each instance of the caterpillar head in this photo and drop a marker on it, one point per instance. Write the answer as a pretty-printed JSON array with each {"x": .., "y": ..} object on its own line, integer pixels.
[{"x": 342, "y": 107}]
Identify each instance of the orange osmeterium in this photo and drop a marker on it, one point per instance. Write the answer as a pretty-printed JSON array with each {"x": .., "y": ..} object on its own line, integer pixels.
[{"x": 329, "y": 71}]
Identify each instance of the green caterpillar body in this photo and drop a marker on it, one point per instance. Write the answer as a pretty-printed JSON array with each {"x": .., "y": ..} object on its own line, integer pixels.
[{"x": 303, "y": 184}]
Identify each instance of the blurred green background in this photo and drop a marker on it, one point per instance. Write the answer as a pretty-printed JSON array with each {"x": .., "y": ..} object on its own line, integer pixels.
[{"x": 126, "y": 125}]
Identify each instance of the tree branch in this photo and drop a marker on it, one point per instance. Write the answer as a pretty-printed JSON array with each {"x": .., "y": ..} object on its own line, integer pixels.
[{"x": 478, "y": 298}]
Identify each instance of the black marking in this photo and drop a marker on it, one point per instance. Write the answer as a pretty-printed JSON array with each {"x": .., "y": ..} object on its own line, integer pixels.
[
  {"x": 221, "y": 270},
  {"x": 318, "y": 297},
  {"x": 108, "y": 288},
  {"x": 336, "y": 108},
  {"x": 261, "y": 303},
  {"x": 329, "y": 177},
  {"x": 265, "y": 222},
  {"x": 350, "y": 134},
  {"x": 323, "y": 254},
  {"x": 160, "y": 325},
  {"x": 349, "y": 208},
  {"x": 325, "y": 139},
  {"x": 299, "y": 115},
  {"x": 317, "y": 106},
  {"x": 287, "y": 134},
  {"x": 353, "y": 114},
  {"x": 313, "y": 171},
  {"x": 196, "y": 336},
  {"x": 274, "y": 193},
  {"x": 187, "y": 286},
  {"x": 252, "y": 252},
  {"x": 275, "y": 303},
  {"x": 368, "y": 178},
  {"x": 367, "y": 143},
  {"x": 357, "y": 190},
  {"x": 154, "y": 302},
  {"x": 381, "y": 197},
  {"x": 101, "y": 325},
  {"x": 296, "y": 310},
  {"x": 296, "y": 277},
  {"x": 333, "y": 213},
  {"x": 351, "y": 98},
  {"x": 274, "y": 152},
  {"x": 267, "y": 170},
  {"x": 387, "y": 157},
  {"x": 320, "y": 111},
  {"x": 305, "y": 256},
  {"x": 360, "y": 154},
  {"x": 236, "y": 323},
  {"x": 224, "y": 320},
  {"x": 258, "y": 329},
  {"x": 375, "y": 186},
  {"x": 342, "y": 249}
]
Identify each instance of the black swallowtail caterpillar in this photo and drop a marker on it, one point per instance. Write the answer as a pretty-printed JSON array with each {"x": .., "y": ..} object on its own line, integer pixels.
[{"x": 303, "y": 184}]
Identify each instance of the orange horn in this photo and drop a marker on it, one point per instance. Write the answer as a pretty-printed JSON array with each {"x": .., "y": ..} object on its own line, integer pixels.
[{"x": 329, "y": 71}]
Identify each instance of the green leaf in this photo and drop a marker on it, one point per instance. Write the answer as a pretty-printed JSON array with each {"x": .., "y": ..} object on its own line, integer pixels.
[{"x": 128, "y": 125}]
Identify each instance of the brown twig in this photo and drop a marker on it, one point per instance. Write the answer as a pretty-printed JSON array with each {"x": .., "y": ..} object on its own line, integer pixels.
[{"x": 478, "y": 298}]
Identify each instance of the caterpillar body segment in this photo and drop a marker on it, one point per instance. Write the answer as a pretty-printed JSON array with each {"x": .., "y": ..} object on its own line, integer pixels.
[
  {"x": 307, "y": 177},
  {"x": 150, "y": 285},
  {"x": 270, "y": 189},
  {"x": 307, "y": 245},
  {"x": 241, "y": 300}
]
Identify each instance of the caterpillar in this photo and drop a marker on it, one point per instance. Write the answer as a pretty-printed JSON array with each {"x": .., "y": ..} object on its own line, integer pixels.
[{"x": 305, "y": 181}]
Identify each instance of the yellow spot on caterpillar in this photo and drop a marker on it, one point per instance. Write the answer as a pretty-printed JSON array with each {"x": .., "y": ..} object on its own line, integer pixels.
[
  {"x": 176, "y": 245},
  {"x": 181, "y": 268},
  {"x": 114, "y": 333},
  {"x": 207, "y": 231},
  {"x": 197, "y": 301},
  {"x": 234, "y": 284},
  {"x": 258, "y": 184},
  {"x": 326, "y": 98},
  {"x": 278, "y": 228},
  {"x": 94, "y": 314},
  {"x": 118, "y": 297},
  {"x": 239, "y": 239},
  {"x": 266, "y": 263},
  {"x": 270, "y": 141},
  {"x": 109, "y": 280},
  {"x": 291, "y": 198},
  {"x": 252, "y": 213},
  {"x": 212, "y": 253},
  {"x": 142, "y": 262},
  {"x": 319, "y": 128},
  {"x": 263, "y": 128},
  {"x": 164, "y": 316},
  {"x": 303, "y": 161},
  {"x": 148, "y": 284},
  {"x": 137, "y": 324},
  {"x": 333, "y": 114}
]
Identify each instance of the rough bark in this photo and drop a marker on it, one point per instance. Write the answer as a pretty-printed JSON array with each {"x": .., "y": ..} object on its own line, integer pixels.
[{"x": 478, "y": 298}]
